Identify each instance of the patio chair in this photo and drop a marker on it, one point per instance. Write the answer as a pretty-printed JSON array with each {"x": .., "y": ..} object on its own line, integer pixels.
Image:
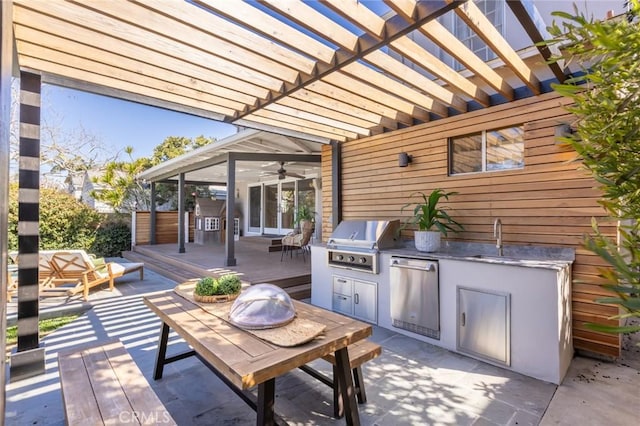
[
  {"x": 12, "y": 285},
  {"x": 297, "y": 241},
  {"x": 78, "y": 269}
]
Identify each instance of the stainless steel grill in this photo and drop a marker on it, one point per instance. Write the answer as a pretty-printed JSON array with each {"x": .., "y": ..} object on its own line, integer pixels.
[{"x": 356, "y": 244}]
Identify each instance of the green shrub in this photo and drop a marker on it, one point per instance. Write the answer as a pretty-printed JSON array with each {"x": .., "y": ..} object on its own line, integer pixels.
[
  {"x": 112, "y": 238},
  {"x": 207, "y": 286},
  {"x": 65, "y": 223},
  {"x": 229, "y": 284}
]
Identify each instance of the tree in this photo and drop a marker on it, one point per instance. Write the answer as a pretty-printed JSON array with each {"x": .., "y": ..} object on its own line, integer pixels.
[
  {"x": 606, "y": 95},
  {"x": 64, "y": 151},
  {"x": 174, "y": 146},
  {"x": 125, "y": 193}
]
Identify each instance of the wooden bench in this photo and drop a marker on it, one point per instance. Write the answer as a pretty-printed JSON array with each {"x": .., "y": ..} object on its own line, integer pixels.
[
  {"x": 103, "y": 385},
  {"x": 359, "y": 353}
]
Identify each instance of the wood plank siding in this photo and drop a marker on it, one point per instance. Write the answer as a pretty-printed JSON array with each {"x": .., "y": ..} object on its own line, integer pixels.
[
  {"x": 549, "y": 202},
  {"x": 166, "y": 227}
]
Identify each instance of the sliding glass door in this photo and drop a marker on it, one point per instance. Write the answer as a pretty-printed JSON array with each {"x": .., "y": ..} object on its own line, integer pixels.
[{"x": 272, "y": 206}]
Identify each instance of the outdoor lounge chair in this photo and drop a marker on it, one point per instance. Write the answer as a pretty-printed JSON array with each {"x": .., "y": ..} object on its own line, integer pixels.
[
  {"x": 300, "y": 240},
  {"x": 78, "y": 269}
]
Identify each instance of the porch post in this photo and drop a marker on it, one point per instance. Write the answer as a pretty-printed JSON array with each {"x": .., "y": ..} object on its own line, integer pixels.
[
  {"x": 181, "y": 213},
  {"x": 229, "y": 247},
  {"x": 6, "y": 64},
  {"x": 152, "y": 215},
  {"x": 28, "y": 360},
  {"x": 336, "y": 184}
]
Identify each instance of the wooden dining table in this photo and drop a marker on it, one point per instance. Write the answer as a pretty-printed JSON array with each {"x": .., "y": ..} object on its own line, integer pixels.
[{"x": 244, "y": 361}]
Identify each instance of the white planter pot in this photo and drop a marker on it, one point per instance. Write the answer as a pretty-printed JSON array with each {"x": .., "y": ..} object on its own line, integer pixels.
[{"x": 427, "y": 240}]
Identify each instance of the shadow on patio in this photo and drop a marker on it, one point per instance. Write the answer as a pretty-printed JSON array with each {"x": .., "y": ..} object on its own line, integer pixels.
[{"x": 410, "y": 383}]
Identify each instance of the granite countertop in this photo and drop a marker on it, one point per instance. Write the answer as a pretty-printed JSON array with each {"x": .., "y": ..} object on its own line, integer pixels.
[{"x": 529, "y": 256}]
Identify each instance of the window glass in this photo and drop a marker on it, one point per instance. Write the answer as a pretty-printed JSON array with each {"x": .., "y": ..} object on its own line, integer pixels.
[
  {"x": 505, "y": 149},
  {"x": 490, "y": 150},
  {"x": 306, "y": 193},
  {"x": 466, "y": 154},
  {"x": 254, "y": 206}
]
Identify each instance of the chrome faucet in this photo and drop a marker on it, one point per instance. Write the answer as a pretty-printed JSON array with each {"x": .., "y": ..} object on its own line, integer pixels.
[{"x": 497, "y": 233}]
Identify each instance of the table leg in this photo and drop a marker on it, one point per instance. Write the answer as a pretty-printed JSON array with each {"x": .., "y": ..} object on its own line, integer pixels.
[
  {"x": 345, "y": 382},
  {"x": 162, "y": 351},
  {"x": 266, "y": 402}
]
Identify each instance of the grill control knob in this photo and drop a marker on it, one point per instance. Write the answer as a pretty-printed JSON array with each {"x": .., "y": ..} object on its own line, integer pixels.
[
  {"x": 362, "y": 260},
  {"x": 339, "y": 257},
  {"x": 352, "y": 259}
]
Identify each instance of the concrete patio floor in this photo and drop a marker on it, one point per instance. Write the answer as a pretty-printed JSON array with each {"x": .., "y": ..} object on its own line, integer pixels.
[{"x": 412, "y": 383}]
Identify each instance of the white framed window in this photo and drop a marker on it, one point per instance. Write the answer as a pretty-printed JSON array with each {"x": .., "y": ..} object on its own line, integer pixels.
[
  {"x": 487, "y": 151},
  {"x": 211, "y": 223},
  {"x": 495, "y": 12}
]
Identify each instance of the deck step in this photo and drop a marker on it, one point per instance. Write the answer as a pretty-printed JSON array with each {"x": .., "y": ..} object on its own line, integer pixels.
[
  {"x": 298, "y": 287},
  {"x": 271, "y": 243}
]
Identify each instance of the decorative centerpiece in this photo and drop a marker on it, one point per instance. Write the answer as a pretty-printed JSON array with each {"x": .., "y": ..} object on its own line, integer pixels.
[
  {"x": 431, "y": 219},
  {"x": 216, "y": 290}
]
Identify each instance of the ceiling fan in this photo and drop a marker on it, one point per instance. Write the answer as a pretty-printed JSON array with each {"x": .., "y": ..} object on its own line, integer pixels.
[{"x": 282, "y": 173}]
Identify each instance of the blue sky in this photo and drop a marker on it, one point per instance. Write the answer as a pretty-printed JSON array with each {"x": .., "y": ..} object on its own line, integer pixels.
[{"x": 117, "y": 123}]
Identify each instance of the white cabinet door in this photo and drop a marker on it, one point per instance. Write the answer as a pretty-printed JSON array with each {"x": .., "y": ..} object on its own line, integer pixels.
[{"x": 365, "y": 301}]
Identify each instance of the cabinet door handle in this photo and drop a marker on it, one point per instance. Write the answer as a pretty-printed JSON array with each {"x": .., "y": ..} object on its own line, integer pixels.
[
  {"x": 464, "y": 319},
  {"x": 356, "y": 298}
]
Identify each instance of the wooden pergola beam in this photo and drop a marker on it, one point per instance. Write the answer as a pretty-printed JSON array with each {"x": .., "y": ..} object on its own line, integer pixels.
[{"x": 479, "y": 23}]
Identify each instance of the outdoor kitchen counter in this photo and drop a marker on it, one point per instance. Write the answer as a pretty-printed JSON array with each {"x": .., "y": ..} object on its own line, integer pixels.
[
  {"x": 556, "y": 258},
  {"x": 531, "y": 286},
  {"x": 530, "y": 257}
]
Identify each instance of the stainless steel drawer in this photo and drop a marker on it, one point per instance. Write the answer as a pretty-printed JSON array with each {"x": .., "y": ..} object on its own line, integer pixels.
[{"x": 342, "y": 304}]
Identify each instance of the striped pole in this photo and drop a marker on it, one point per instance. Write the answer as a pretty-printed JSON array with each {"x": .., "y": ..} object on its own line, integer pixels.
[
  {"x": 6, "y": 66},
  {"x": 28, "y": 360}
]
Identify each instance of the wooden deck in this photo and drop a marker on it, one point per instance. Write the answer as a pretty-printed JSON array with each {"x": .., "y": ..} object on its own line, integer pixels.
[{"x": 255, "y": 263}]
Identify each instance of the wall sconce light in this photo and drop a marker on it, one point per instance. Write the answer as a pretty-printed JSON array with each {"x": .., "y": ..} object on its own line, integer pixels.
[
  {"x": 404, "y": 159},
  {"x": 563, "y": 130}
]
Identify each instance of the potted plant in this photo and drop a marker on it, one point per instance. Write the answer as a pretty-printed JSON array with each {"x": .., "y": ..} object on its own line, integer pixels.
[
  {"x": 304, "y": 214},
  {"x": 223, "y": 289},
  {"x": 432, "y": 221}
]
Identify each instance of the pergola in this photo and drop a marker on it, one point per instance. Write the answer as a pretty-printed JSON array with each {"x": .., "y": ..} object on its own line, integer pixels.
[
  {"x": 333, "y": 70},
  {"x": 326, "y": 71}
]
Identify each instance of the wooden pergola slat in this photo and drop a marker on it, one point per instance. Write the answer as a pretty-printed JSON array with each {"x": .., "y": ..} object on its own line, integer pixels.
[
  {"x": 95, "y": 58},
  {"x": 461, "y": 53},
  {"x": 242, "y": 38},
  {"x": 48, "y": 30},
  {"x": 114, "y": 72},
  {"x": 372, "y": 93},
  {"x": 198, "y": 38},
  {"x": 479, "y": 23},
  {"x": 76, "y": 15},
  {"x": 283, "y": 109},
  {"x": 327, "y": 112},
  {"x": 414, "y": 78},
  {"x": 103, "y": 80},
  {"x": 326, "y": 65},
  {"x": 346, "y": 96}
]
